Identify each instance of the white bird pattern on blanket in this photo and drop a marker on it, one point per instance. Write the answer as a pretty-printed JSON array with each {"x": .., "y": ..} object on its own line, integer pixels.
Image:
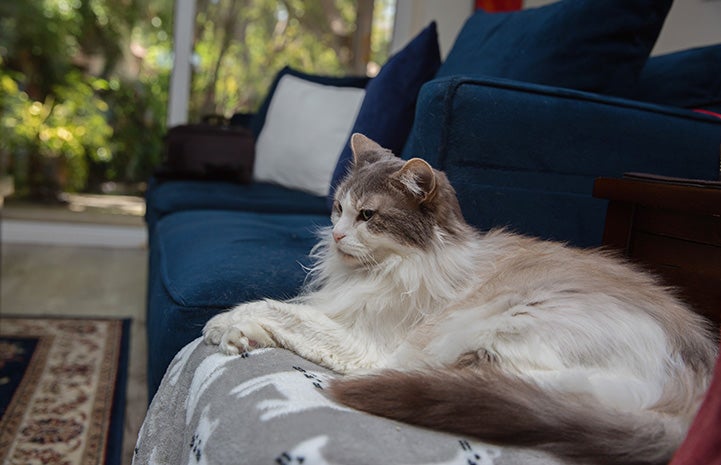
[
  {"x": 301, "y": 391},
  {"x": 309, "y": 452}
]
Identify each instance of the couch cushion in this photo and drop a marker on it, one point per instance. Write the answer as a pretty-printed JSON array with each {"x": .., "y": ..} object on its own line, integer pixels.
[
  {"x": 203, "y": 262},
  {"x": 590, "y": 45},
  {"x": 219, "y": 258},
  {"x": 689, "y": 79},
  {"x": 258, "y": 119},
  {"x": 304, "y": 132},
  {"x": 171, "y": 196},
  {"x": 386, "y": 115}
]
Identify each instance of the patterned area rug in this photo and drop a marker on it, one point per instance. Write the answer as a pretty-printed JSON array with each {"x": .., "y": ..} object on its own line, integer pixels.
[{"x": 62, "y": 390}]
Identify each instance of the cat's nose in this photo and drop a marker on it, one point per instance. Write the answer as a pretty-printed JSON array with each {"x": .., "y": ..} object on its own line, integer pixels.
[{"x": 337, "y": 236}]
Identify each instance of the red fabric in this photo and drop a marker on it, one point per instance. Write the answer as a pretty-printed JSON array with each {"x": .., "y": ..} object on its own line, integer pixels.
[
  {"x": 703, "y": 443},
  {"x": 493, "y": 6},
  {"x": 707, "y": 112}
]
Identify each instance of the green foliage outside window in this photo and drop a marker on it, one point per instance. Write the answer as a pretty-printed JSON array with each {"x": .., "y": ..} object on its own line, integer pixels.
[
  {"x": 83, "y": 83},
  {"x": 57, "y": 135}
]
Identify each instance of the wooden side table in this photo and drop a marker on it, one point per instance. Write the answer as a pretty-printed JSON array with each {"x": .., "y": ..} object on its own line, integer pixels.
[{"x": 672, "y": 227}]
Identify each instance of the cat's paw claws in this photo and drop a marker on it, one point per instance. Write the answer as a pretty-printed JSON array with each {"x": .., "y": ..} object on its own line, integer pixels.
[
  {"x": 214, "y": 329},
  {"x": 234, "y": 342},
  {"x": 238, "y": 338}
]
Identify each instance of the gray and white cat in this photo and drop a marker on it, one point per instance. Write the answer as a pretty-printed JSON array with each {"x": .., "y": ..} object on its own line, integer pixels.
[{"x": 498, "y": 336}]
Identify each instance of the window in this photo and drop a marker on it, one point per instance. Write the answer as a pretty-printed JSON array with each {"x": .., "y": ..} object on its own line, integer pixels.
[
  {"x": 84, "y": 84},
  {"x": 241, "y": 44}
]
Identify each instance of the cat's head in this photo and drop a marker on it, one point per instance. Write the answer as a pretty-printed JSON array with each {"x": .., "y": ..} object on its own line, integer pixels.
[{"x": 388, "y": 206}]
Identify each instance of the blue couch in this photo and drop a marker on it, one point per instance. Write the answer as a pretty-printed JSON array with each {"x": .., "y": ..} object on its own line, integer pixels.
[{"x": 521, "y": 152}]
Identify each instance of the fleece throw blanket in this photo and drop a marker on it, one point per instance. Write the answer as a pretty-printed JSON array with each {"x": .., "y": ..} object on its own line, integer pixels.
[{"x": 269, "y": 407}]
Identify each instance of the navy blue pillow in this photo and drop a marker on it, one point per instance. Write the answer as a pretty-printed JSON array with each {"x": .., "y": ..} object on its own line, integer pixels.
[
  {"x": 592, "y": 45},
  {"x": 386, "y": 114},
  {"x": 258, "y": 120},
  {"x": 688, "y": 79}
]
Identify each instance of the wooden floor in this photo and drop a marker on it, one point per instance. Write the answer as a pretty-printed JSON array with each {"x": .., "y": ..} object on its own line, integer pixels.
[{"x": 84, "y": 281}]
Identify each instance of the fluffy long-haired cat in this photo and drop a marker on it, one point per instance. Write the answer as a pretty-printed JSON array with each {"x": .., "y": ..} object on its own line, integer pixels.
[{"x": 498, "y": 336}]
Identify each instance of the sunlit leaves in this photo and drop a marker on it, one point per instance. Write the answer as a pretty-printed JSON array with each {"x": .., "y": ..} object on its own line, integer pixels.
[{"x": 238, "y": 56}]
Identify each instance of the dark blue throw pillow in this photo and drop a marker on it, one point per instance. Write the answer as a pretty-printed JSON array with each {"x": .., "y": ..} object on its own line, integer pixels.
[
  {"x": 386, "y": 114},
  {"x": 688, "y": 79},
  {"x": 258, "y": 120},
  {"x": 591, "y": 45}
]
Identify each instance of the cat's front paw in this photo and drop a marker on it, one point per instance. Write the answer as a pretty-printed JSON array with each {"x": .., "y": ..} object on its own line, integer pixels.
[
  {"x": 215, "y": 327},
  {"x": 244, "y": 336},
  {"x": 236, "y": 337}
]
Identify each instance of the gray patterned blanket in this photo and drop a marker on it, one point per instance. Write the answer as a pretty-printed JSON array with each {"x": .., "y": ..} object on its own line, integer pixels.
[{"x": 268, "y": 407}]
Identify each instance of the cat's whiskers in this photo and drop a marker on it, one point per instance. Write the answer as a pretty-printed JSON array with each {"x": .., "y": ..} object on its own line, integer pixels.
[{"x": 369, "y": 261}]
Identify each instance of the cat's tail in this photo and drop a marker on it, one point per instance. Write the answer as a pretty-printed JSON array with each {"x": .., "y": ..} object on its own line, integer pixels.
[{"x": 506, "y": 410}]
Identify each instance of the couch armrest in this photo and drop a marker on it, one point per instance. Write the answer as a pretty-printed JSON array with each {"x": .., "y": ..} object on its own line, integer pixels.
[{"x": 525, "y": 155}]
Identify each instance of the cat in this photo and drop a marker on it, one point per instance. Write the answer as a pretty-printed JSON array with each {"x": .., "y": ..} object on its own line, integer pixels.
[{"x": 502, "y": 337}]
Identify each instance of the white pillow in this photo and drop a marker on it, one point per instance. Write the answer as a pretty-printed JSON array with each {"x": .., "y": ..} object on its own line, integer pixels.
[{"x": 305, "y": 130}]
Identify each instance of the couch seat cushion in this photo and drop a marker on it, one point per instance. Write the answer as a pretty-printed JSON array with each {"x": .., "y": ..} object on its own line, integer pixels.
[
  {"x": 220, "y": 258},
  {"x": 171, "y": 196},
  {"x": 203, "y": 262}
]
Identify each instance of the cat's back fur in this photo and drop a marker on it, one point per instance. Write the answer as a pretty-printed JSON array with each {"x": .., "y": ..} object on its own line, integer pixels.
[{"x": 507, "y": 338}]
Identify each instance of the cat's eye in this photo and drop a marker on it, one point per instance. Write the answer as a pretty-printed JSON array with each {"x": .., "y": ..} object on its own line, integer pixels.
[
  {"x": 365, "y": 215},
  {"x": 338, "y": 207}
]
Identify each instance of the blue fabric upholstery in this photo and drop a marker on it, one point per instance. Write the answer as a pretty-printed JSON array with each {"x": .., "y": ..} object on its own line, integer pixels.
[
  {"x": 525, "y": 156},
  {"x": 386, "y": 114},
  {"x": 688, "y": 78},
  {"x": 520, "y": 154},
  {"x": 168, "y": 197},
  {"x": 206, "y": 261},
  {"x": 590, "y": 45}
]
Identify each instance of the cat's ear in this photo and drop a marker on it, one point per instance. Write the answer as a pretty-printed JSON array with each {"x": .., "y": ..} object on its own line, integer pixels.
[
  {"x": 365, "y": 150},
  {"x": 418, "y": 178}
]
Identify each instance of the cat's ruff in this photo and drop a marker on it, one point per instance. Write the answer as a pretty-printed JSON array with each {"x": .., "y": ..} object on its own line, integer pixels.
[{"x": 434, "y": 313}]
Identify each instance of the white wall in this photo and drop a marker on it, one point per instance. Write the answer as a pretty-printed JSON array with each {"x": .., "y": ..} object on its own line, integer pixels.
[
  {"x": 690, "y": 23},
  {"x": 414, "y": 15}
]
